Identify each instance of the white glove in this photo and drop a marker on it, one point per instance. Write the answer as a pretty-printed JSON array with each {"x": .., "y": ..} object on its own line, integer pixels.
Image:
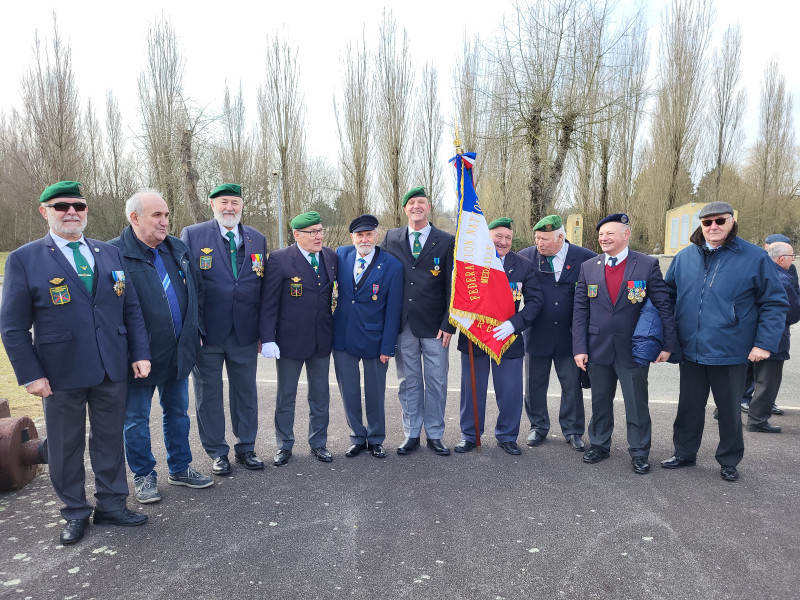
[
  {"x": 270, "y": 350},
  {"x": 503, "y": 330}
]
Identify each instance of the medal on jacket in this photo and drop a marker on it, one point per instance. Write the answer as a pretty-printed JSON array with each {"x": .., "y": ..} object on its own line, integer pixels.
[
  {"x": 435, "y": 270},
  {"x": 334, "y": 296},
  {"x": 375, "y": 288},
  {"x": 119, "y": 282},
  {"x": 60, "y": 293},
  {"x": 516, "y": 290},
  {"x": 257, "y": 260},
  {"x": 636, "y": 291},
  {"x": 205, "y": 261}
]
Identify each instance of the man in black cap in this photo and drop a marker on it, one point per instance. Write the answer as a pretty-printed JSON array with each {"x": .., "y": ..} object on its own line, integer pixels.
[
  {"x": 87, "y": 329},
  {"x": 365, "y": 327},
  {"x": 609, "y": 296},
  {"x": 730, "y": 307}
]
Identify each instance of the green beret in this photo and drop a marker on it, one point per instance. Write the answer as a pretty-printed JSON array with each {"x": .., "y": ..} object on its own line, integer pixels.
[
  {"x": 549, "y": 223},
  {"x": 501, "y": 222},
  {"x": 414, "y": 193},
  {"x": 62, "y": 189},
  {"x": 226, "y": 189},
  {"x": 306, "y": 219}
]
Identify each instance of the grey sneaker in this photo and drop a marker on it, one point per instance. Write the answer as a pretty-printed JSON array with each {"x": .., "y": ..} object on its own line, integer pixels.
[
  {"x": 190, "y": 478},
  {"x": 147, "y": 488}
]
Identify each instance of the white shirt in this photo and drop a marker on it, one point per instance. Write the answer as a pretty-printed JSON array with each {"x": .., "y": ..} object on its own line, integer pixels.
[
  {"x": 67, "y": 251},
  {"x": 308, "y": 254},
  {"x": 620, "y": 257},
  {"x": 424, "y": 232},
  {"x": 236, "y": 237},
  {"x": 368, "y": 259}
]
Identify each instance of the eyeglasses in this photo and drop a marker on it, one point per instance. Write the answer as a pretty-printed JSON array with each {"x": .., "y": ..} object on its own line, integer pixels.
[
  {"x": 719, "y": 221},
  {"x": 313, "y": 232},
  {"x": 65, "y": 206},
  {"x": 792, "y": 256}
]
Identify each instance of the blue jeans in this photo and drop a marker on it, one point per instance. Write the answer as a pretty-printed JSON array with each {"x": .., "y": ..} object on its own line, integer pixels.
[{"x": 174, "y": 397}]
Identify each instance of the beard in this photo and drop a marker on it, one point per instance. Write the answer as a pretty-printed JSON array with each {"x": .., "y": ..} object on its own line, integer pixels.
[
  {"x": 71, "y": 227},
  {"x": 228, "y": 221}
]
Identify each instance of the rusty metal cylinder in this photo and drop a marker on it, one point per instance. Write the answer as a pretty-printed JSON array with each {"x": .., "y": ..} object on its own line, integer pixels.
[{"x": 21, "y": 452}]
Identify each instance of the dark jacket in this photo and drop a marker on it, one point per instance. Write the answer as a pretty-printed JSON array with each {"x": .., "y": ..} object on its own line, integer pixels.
[
  {"x": 648, "y": 337},
  {"x": 792, "y": 316},
  {"x": 79, "y": 338},
  {"x": 171, "y": 358},
  {"x": 726, "y": 301},
  {"x": 550, "y": 334}
]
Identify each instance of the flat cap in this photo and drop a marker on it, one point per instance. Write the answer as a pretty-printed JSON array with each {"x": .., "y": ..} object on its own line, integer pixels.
[
  {"x": 549, "y": 223},
  {"x": 715, "y": 208},
  {"x": 501, "y": 222},
  {"x": 615, "y": 218},
  {"x": 363, "y": 223},
  {"x": 306, "y": 219},
  {"x": 777, "y": 237},
  {"x": 414, "y": 193},
  {"x": 227, "y": 189},
  {"x": 62, "y": 189}
]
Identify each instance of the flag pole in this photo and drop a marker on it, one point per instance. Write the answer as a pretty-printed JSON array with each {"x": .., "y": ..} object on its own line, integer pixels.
[{"x": 457, "y": 144}]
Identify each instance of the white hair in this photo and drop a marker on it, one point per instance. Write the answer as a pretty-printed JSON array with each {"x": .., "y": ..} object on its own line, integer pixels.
[{"x": 134, "y": 203}]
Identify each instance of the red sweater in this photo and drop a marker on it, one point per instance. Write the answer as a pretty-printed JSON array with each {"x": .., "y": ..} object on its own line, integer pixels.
[{"x": 614, "y": 277}]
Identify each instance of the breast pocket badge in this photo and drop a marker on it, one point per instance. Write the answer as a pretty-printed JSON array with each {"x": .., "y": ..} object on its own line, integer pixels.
[
  {"x": 592, "y": 291},
  {"x": 59, "y": 294},
  {"x": 205, "y": 261},
  {"x": 296, "y": 289}
]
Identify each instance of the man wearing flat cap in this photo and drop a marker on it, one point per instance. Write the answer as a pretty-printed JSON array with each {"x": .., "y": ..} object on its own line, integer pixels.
[
  {"x": 232, "y": 259},
  {"x": 298, "y": 331},
  {"x": 426, "y": 254},
  {"x": 365, "y": 328},
  {"x": 87, "y": 329},
  {"x": 507, "y": 375},
  {"x": 611, "y": 290},
  {"x": 548, "y": 341},
  {"x": 730, "y": 307}
]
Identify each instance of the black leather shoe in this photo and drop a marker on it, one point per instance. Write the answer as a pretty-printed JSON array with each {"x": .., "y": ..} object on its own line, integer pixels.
[
  {"x": 776, "y": 410},
  {"x": 465, "y": 446},
  {"x": 73, "y": 531},
  {"x": 438, "y": 447},
  {"x": 764, "y": 427},
  {"x": 594, "y": 454},
  {"x": 408, "y": 446},
  {"x": 729, "y": 473},
  {"x": 355, "y": 450},
  {"x": 281, "y": 458},
  {"x": 322, "y": 454},
  {"x": 221, "y": 466},
  {"x": 535, "y": 438},
  {"x": 576, "y": 442},
  {"x": 124, "y": 517},
  {"x": 250, "y": 460},
  {"x": 377, "y": 450},
  {"x": 510, "y": 448},
  {"x": 676, "y": 462},
  {"x": 640, "y": 465}
]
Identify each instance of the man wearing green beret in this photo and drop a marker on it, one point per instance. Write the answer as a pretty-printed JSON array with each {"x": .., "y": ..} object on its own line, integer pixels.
[
  {"x": 87, "y": 329},
  {"x": 548, "y": 341},
  {"x": 298, "y": 331},
  {"x": 232, "y": 259},
  {"x": 426, "y": 254}
]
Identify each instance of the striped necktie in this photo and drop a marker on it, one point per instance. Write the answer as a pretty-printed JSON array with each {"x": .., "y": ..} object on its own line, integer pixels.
[{"x": 169, "y": 291}]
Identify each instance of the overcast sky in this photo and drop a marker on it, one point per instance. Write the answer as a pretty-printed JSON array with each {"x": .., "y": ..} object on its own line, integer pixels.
[{"x": 227, "y": 41}]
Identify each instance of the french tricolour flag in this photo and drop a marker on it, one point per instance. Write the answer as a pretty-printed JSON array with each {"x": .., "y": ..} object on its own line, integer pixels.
[{"x": 481, "y": 297}]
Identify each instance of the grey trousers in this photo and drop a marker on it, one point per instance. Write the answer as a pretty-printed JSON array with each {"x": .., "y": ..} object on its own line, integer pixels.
[
  {"x": 240, "y": 364},
  {"x": 633, "y": 381},
  {"x": 319, "y": 398},
  {"x": 348, "y": 376},
  {"x": 65, "y": 419},
  {"x": 422, "y": 365}
]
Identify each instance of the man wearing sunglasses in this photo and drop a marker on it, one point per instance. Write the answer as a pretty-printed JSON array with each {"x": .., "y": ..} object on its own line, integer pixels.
[
  {"x": 87, "y": 328},
  {"x": 730, "y": 307}
]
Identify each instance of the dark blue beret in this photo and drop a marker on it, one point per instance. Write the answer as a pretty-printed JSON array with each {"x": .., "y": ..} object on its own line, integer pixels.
[{"x": 615, "y": 218}]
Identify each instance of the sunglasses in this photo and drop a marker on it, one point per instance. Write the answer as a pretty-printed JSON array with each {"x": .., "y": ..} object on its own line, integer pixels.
[
  {"x": 65, "y": 206},
  {"x": 719, "y": 221}
]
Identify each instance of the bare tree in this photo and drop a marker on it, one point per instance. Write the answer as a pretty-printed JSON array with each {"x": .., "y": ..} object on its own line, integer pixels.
[
  {"x": 119, "y": 176},
  {"x": 428, "y": 136},
  {"x": 472, "y": 82}
]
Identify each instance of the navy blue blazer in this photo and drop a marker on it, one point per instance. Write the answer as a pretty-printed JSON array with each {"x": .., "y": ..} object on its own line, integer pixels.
[
  {"x": 367, "y": 320},
  {"x": 79, "y": 339},
  {"x": 550, "y": 334},
  {"x": 298, "y": 316},
  {"x": 426, "y": 296},
  {"x": 518, "y": 270},
  {"x": 229, "y": 303},
  {"x": 604, "y": 330}
]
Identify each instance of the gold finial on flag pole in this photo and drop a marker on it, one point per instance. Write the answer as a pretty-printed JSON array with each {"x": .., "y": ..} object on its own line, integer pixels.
[{"x": 457, "y": 141}]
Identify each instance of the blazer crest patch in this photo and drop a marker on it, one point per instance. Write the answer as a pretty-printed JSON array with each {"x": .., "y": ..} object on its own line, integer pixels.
[
  {"x": 295, "y": 290},
  {"x": 592, "y": 291},
  {"x": 205, "y": 262},
  {"x": 60, "y": 295}
]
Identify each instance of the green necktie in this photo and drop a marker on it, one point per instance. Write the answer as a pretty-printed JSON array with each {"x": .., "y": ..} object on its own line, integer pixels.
[
  {"x": 82, "y": 266},
  {"x": 550, "y": 262},
  {"x": 232, "y": 243},
  {"x": 417, "y": 246},
  {"x": 314, "y": 263}
]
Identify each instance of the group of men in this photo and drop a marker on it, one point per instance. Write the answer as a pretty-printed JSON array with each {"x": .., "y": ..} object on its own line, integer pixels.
[{"x": 122, "y": 319}]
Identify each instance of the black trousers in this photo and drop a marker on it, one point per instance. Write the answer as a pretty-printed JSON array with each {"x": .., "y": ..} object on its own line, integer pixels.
[
  {"x": 767, "y": 376},
  {"x": 726, "y": 382}
]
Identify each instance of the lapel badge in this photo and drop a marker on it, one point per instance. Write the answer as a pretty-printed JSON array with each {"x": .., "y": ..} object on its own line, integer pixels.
[
  {"x": 119, "y": 282},
  {"x": 592, "y": 292},
  {"x": 296, "y": 279},
  {"x": 59, "y": 295},
  {"x": 206, "y": 250},
  {"x": 205, "y": 262},
  {"x": 97, "y": 249},
  {"x": 56, "y": 280},
  {"x": 257, "y": 261}
]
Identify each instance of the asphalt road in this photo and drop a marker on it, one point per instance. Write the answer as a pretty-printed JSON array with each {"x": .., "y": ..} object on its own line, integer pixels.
[{"x": 486, "y": 525}]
